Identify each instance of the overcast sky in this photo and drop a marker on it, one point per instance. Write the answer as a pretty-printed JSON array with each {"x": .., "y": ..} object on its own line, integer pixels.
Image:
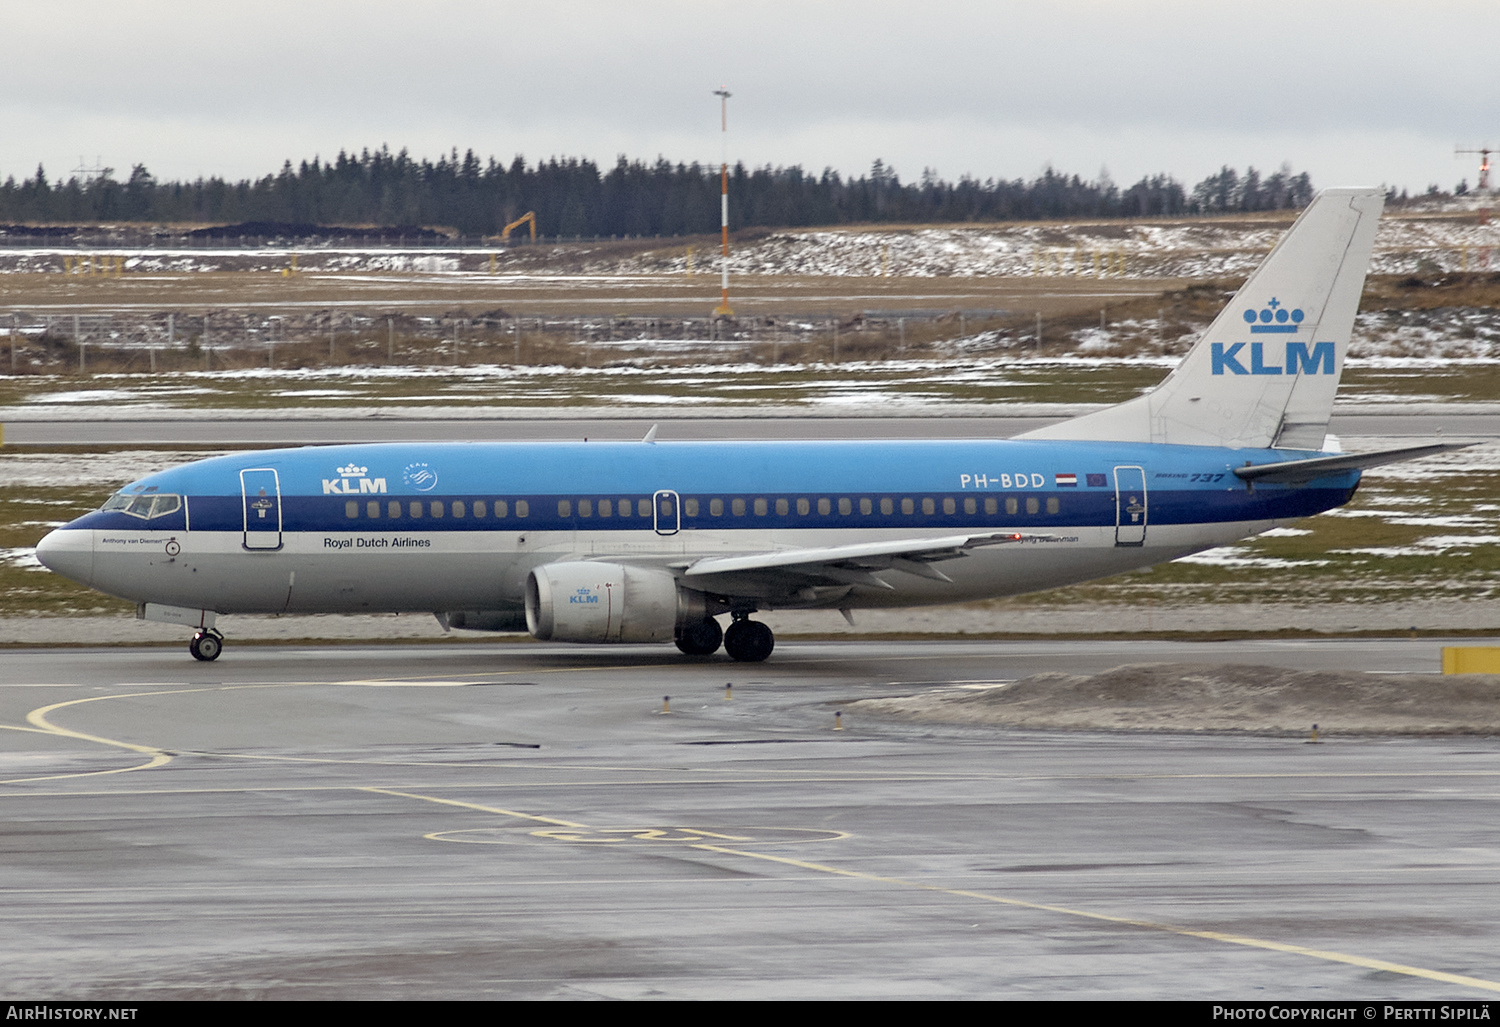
[{"x": 1355, "y": 93}]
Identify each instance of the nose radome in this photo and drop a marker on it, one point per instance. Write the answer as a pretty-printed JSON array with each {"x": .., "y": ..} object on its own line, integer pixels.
[{"x": 69, "y": 552}]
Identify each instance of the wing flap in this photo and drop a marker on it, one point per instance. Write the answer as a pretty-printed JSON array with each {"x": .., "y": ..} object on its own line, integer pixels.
[{"x": 863, "y": 557}]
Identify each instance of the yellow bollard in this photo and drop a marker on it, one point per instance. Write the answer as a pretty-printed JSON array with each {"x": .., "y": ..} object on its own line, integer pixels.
[
  {"x": 728, "y": 691},
  {"x": 1314, "y": 739},
  {"x": 666, "y": 704},
  {"x": 838, "y": 720}
]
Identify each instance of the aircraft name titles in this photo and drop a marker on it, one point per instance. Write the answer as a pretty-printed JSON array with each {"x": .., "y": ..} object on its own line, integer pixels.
[{"x": 376, "y": 542}]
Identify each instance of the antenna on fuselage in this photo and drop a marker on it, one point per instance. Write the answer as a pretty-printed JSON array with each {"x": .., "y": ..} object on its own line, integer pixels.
[{"x": 650, "y": 436}]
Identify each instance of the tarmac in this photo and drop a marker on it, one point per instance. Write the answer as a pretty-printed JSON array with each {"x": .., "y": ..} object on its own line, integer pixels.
[{"x": 502, "y": 821}]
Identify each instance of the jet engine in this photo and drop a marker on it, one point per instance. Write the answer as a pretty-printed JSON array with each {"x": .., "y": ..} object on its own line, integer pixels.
[{"x": 610, "y": 602}]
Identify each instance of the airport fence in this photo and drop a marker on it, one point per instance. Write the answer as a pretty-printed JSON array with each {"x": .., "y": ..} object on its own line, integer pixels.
[{"x": 99, "y": 342}]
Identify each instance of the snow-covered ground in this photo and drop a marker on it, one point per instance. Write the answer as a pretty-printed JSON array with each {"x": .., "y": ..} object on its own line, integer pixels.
[{"x": 1405, "y": 244}]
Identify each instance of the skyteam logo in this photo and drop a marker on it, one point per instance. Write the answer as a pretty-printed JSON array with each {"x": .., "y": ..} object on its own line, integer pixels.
[
  {"x": 420, "y": 477},
  {"x": 1273, "y": 319},
  {"x": 353, "y": 480},
  {"x": 1295, "y": 357}
]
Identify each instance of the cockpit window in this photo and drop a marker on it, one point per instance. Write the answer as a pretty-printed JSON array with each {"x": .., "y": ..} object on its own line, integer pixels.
[{"x": 144, "y": 506}]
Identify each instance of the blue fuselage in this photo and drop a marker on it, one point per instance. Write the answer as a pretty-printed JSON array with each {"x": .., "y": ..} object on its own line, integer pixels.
[{"x": 458, "y": 526}]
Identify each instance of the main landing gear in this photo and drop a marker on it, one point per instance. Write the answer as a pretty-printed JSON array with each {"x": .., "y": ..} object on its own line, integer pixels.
[
  {"x": 702, "y": 638},
  {"x": 748, "y": 641},
  {"x": 206, "y": 645}
]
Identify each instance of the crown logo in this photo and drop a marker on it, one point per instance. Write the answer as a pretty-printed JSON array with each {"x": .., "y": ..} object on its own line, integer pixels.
[
  {"x": 1273, "y": 317},
  {"x": 352, "y": 471}
]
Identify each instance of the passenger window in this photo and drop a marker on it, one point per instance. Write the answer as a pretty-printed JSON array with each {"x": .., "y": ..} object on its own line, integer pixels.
[
  {"x": 716, "y": 507},
  {"x": 971, "y": 505},
  {"x": 846, "y": 506},
  {"x": 481, "y": 509},
  {"x": 737, "y": 507},
  {"x": 783, "y": 507},
  {"x": 436, "y": 507},
  {"x": 502, "y": 508},
  {"x": 585, "y": 508},
  {"x": 991, "y": 505},
  {"x": 565, "y": 508},
  {"x": 643, "y": 507},
  {"x": 866, "y": 507},
  {"x": 804, "y": 507},
  {"x": 1012, "y": 505},
  {"x": 666, "y": 506},
  {"x": 414, "y": 508},
  {"x": 908, "y": 505},
  {"x": 825, "y": 507},
  {"x": 458, "y": 508},
  {"x": 1033, "y": 504},
  {"x": 393, "y": 509},
  {"x": 949, "y": 506},
  {"x": 523, "y": 509},
  {"x": 690, "y": 507},
  {"x": 928, "y": 506},
  {"x": 887, "y": 505},
  {"x": 761, "y": 508},
  {"x": 351, "y": 509},
  {"x": 606, "y": 508},
  {"x": 1053, "y": 505},
  {"x": 372, "y": 509}
]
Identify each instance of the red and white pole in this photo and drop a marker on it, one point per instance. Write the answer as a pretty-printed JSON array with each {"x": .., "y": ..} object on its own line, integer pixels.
[{"x": 723, "y": 309}]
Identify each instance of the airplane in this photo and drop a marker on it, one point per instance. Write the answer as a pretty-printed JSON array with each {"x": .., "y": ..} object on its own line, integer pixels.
[{"x": 653, "y": 541}]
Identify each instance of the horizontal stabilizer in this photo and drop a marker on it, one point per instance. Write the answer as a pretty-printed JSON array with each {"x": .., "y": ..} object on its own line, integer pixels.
[{"x": 1295, "y": 471}]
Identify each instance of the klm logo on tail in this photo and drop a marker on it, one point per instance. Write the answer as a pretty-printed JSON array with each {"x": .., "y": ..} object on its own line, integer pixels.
[{"x": 1295, "y": 357}]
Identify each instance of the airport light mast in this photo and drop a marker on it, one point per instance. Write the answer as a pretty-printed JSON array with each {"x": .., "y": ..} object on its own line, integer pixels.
[
  {"x": 723, "y": 310},
  {"x": 1484, "y": 165},
  {"x": 1483, "y": 189}
]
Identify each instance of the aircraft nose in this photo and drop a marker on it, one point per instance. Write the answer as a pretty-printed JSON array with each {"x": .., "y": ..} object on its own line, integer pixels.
[{"x": 69, "y": 552}]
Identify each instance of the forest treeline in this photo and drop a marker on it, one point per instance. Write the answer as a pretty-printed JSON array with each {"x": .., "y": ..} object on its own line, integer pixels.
[{"x": 574, "y": 197}]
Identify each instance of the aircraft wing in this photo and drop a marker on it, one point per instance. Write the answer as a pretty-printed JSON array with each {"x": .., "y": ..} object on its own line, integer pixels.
[
  {"x": 854, "y": 564},
  {"x": 1293, "y": 472}
]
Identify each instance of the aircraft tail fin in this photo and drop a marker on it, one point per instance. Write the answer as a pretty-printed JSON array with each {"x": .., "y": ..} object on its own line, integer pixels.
[{"x": 1265, "y": 373}]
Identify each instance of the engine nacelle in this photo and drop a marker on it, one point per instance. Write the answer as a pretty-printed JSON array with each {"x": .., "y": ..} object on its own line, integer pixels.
[{"x": 609, "y": 602}]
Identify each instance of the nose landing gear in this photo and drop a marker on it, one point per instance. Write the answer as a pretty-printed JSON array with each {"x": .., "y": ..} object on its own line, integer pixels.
[
  {"x": 206, "y": 645},
  {"x": 748, "y": 641}
]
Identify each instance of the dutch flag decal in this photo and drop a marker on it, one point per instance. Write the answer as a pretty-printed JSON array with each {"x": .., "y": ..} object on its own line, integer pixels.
[{"x": 1065, "y": 480}]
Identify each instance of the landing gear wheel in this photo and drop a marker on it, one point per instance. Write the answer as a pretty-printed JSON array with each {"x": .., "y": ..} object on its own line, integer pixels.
[
  {"x": 749, "y": 641},
  {"x": 702, "y": 638},
  {"x": 206, "y": 646}
]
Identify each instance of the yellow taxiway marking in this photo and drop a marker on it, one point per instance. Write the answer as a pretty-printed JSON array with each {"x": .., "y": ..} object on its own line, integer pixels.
[
  {"x": 1150, "y": 925},
  {"x": 476, "y": 806},
  {"x": 38, "y": 719}
]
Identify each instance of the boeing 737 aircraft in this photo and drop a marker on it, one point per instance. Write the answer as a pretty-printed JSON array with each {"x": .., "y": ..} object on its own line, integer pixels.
[{"x": 652, "y": 541}]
